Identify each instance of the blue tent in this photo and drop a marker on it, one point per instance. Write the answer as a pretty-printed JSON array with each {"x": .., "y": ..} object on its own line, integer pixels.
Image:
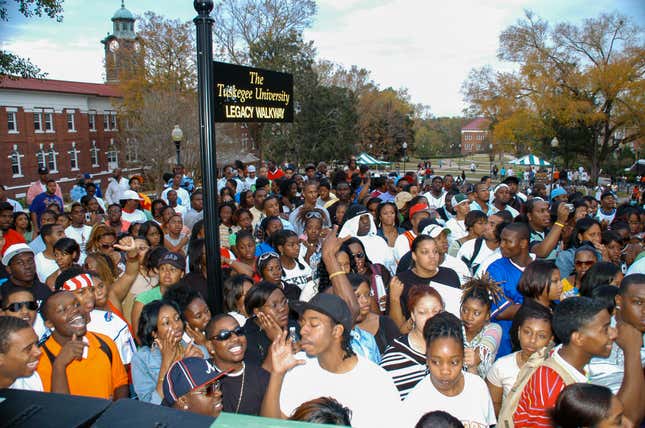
[{"x": 530, "y": 160}]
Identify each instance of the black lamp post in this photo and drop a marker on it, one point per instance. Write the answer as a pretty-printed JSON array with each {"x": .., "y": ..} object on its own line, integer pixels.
[
  {"x": 405, "y": 149},
  {"x": 554, "y": 145},
  {"x": 490, "y": 158},
  {"x": 177, "y": 135}
]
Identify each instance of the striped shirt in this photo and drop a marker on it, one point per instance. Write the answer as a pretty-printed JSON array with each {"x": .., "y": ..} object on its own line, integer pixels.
[
  {"x": 405, "y": 365},
  {"x": 541, "y": 392}
]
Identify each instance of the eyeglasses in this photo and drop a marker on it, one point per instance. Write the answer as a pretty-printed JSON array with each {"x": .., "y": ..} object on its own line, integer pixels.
[
  {"x": 268, "y": 255},
  {"x": 107, "y": 246},
  {"x": 584, "y": 262},
  {"x": 313, "y": 214},
  {"x": 17, "y": 306},
  {"x": 360, "y": 255},
  {"x": 226, "y": 334},
  {"x": 209, "y": 389}
]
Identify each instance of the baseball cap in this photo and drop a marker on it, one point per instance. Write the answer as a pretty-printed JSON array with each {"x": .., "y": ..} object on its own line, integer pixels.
[
  {"x": 250, "y": 168},
  {"x": 417, "y": 208},
  {"x": 558, "y": 192},
  {"x": 187, "y": 375},
  {"x": 459, "y": 198},
  {"x": 13, "y": 250},
  {"x": 355, "y": 210},
  {"x": 329, "y": 304},
  {"x": 401, "y": 199},
  {"x": 434, "y": 230},
  {"x": 130, "y": 194},
  {"x": 173, "y": 259},
  {"x": 43, "y": 170}
]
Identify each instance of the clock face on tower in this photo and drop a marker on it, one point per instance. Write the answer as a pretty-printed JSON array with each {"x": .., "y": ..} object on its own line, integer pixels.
[{"x": 114, "y": 45}]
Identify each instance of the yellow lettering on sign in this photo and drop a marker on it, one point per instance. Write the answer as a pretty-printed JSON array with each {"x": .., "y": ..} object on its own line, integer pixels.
[
  {"x": 239, "y": 112},
  {"x": 269, "y": 113}
]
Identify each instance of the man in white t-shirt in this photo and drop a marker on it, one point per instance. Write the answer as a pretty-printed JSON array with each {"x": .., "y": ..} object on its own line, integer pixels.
[
  {"x": 461, "y": 205},
  {"x": 19, "y": 355},
  {"x": 46, "y": 265},
  {"x": 130, "y": 211},
  {"x": 329, "y": 369},
  {"x": 78, "y": 230},
  {"x": 475, "y": 251},
  {"x": 436, "y": 197}
]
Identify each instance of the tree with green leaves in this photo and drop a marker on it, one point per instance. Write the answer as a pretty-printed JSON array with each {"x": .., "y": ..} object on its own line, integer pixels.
[{"x": 13, "y": 65}]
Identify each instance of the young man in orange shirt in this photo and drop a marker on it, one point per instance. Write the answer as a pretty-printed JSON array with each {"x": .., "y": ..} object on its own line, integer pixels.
[{"x": 75, "y": 361}]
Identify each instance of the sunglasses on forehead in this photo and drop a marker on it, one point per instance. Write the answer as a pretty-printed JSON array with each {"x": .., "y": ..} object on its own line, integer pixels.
[
  {"x": 268, "y": 255},
  {"x": 226, "y": 334},
  {"x": 17, "y": 306},
  {"x": 313, "y": 214}
]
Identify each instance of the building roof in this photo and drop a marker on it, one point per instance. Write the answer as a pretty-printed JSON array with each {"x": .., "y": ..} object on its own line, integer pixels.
[
  {"x": 61, "y": 86},
  {"x": 478, "y": 124}
]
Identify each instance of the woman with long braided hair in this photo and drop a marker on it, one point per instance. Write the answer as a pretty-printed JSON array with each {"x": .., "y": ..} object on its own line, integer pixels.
[{"x": 481, "y": 337}]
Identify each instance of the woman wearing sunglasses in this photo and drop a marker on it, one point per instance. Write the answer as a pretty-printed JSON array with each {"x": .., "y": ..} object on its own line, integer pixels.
[
  {"x": 584, "y": 258},
  {"x": 244, "y": 386},
  {"x": 161, "y": 332}
]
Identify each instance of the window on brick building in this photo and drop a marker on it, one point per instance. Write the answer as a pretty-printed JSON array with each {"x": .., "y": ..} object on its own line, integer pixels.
[
  {"x": 49, "y": 121},
  {"x": 112, "y": 156},
  {"x": 71, "y": 125},
  {"x": 91, "y": 119},
  {"x": 38, "y": 121},
  {"x": 41, "y": 157},
  {"x": 73, "y": 157},
  {"x": 15, "y": 157},
  {"x": 52, "y": 159},
  {"x": 12, "y": 120},
  {"x": 131, "y": 150},
  {"x": 94, "y": 154},
  {"x": 106, "y": 122}
]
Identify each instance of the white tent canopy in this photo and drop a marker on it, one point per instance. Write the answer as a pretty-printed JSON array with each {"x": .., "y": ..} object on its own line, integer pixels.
[
  {"x": 530, "y": 160},
  {"x": 365, "y": 159}
]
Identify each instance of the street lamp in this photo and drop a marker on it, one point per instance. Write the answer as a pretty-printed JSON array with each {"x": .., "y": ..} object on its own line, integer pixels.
[
  {"x": 554, "y": 145},
  {"x": 490, "y": 158},
  {"x": 177, "y": 135},
  {"x": 405, "y": 148}
]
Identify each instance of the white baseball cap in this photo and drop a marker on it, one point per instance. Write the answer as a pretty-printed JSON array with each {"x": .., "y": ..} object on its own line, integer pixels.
[{"x": 13, "y": 251}]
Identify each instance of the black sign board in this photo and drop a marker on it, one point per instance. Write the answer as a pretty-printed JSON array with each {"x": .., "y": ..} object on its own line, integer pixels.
[{"x": 247, "y": 94}]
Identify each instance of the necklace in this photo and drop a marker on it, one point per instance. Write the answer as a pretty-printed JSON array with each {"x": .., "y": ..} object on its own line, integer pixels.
[{"x": 239, "y": 400}]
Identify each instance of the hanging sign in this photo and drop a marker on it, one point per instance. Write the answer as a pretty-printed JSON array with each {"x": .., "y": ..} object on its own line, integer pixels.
[{"x": 247, "y": 94}]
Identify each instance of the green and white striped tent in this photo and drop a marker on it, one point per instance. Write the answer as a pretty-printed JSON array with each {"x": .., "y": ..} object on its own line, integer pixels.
[
  {"x": 365, "y": 159},
  {"x": 530, "y": 160}
]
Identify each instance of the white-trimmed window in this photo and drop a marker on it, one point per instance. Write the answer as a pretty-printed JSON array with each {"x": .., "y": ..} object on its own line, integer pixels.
[
  {"x": 94, "y": 154},
  {"x": 91, "y": 118},
  {"x": 112, "y": 156},
  {"x": 52, "y": 159},
  {"x": 38, "y": 121},
  {"x": 131, "y": 150},
  {"x": 49, "y": 120},
  {"x": 16, "y": 162},
  {"x": 71, "y": 124},
  {"x": 113, "y": 121},
  {"x": 106, "y": 121},
  {"x": 41, "y": 157},
  {"x": 12, "y": 120},
  {"x": 73, "y": 157}
]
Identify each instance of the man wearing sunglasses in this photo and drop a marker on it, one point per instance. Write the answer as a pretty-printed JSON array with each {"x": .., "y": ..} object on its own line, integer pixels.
[
  {"x": 19, "y": 355},
  {"x": 245, "y": 384}
]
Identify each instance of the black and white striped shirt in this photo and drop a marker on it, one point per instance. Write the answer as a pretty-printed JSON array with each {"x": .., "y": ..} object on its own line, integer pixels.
[{"x": 405, "y": 365}]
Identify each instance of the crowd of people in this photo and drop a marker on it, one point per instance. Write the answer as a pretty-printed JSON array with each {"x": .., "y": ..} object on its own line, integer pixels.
[{"x": 350, "y": 298}]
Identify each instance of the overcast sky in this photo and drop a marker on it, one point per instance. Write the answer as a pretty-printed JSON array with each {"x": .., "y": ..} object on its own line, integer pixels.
[{"x": 426, "y": 46}]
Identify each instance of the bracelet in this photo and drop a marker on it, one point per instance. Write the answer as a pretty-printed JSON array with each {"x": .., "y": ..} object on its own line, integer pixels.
[
  {"x": 558, "y": 224},
  {"x": 335, "y": 274}
]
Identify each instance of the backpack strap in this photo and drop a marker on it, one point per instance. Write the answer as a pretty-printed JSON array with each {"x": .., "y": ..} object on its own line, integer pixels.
[
  {"x": 49, "y": 354},
  {"x": 478, "y": 245},
  {"x": 561, "y": 371},
  {"x": 410, "y": 238},
  {"x": 102, "y": 344}
]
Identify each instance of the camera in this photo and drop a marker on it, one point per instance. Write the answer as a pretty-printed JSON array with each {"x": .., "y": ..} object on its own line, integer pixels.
[{"x": 570, "y": 207}]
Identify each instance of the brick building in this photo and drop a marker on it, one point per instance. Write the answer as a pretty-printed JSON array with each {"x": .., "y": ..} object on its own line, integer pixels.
[
  {"x": 69, "y": 127},
  {"x": 475, "y": 136}
]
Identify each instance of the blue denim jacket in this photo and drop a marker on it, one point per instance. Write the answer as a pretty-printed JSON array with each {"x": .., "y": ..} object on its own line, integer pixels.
[
  {"x": 364, "y": 344},
  {"x": 146, "y": 364}
]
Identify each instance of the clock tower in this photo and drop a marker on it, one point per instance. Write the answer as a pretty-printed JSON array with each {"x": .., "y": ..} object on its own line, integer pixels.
[{"x": 116, "y": 45}]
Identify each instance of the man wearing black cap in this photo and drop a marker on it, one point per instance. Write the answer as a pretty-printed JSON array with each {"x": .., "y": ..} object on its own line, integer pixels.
[
  {"x": 328, "y": 368},
  {"x": 38, "y": 187},
  {"x": 518, "y": 199}
]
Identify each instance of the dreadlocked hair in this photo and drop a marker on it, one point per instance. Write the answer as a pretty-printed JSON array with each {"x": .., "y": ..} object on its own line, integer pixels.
[
  {"x": 346, "y": 345},
  {"x": 483, "y": 289},
  {"x": 443, "y": 325}
]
